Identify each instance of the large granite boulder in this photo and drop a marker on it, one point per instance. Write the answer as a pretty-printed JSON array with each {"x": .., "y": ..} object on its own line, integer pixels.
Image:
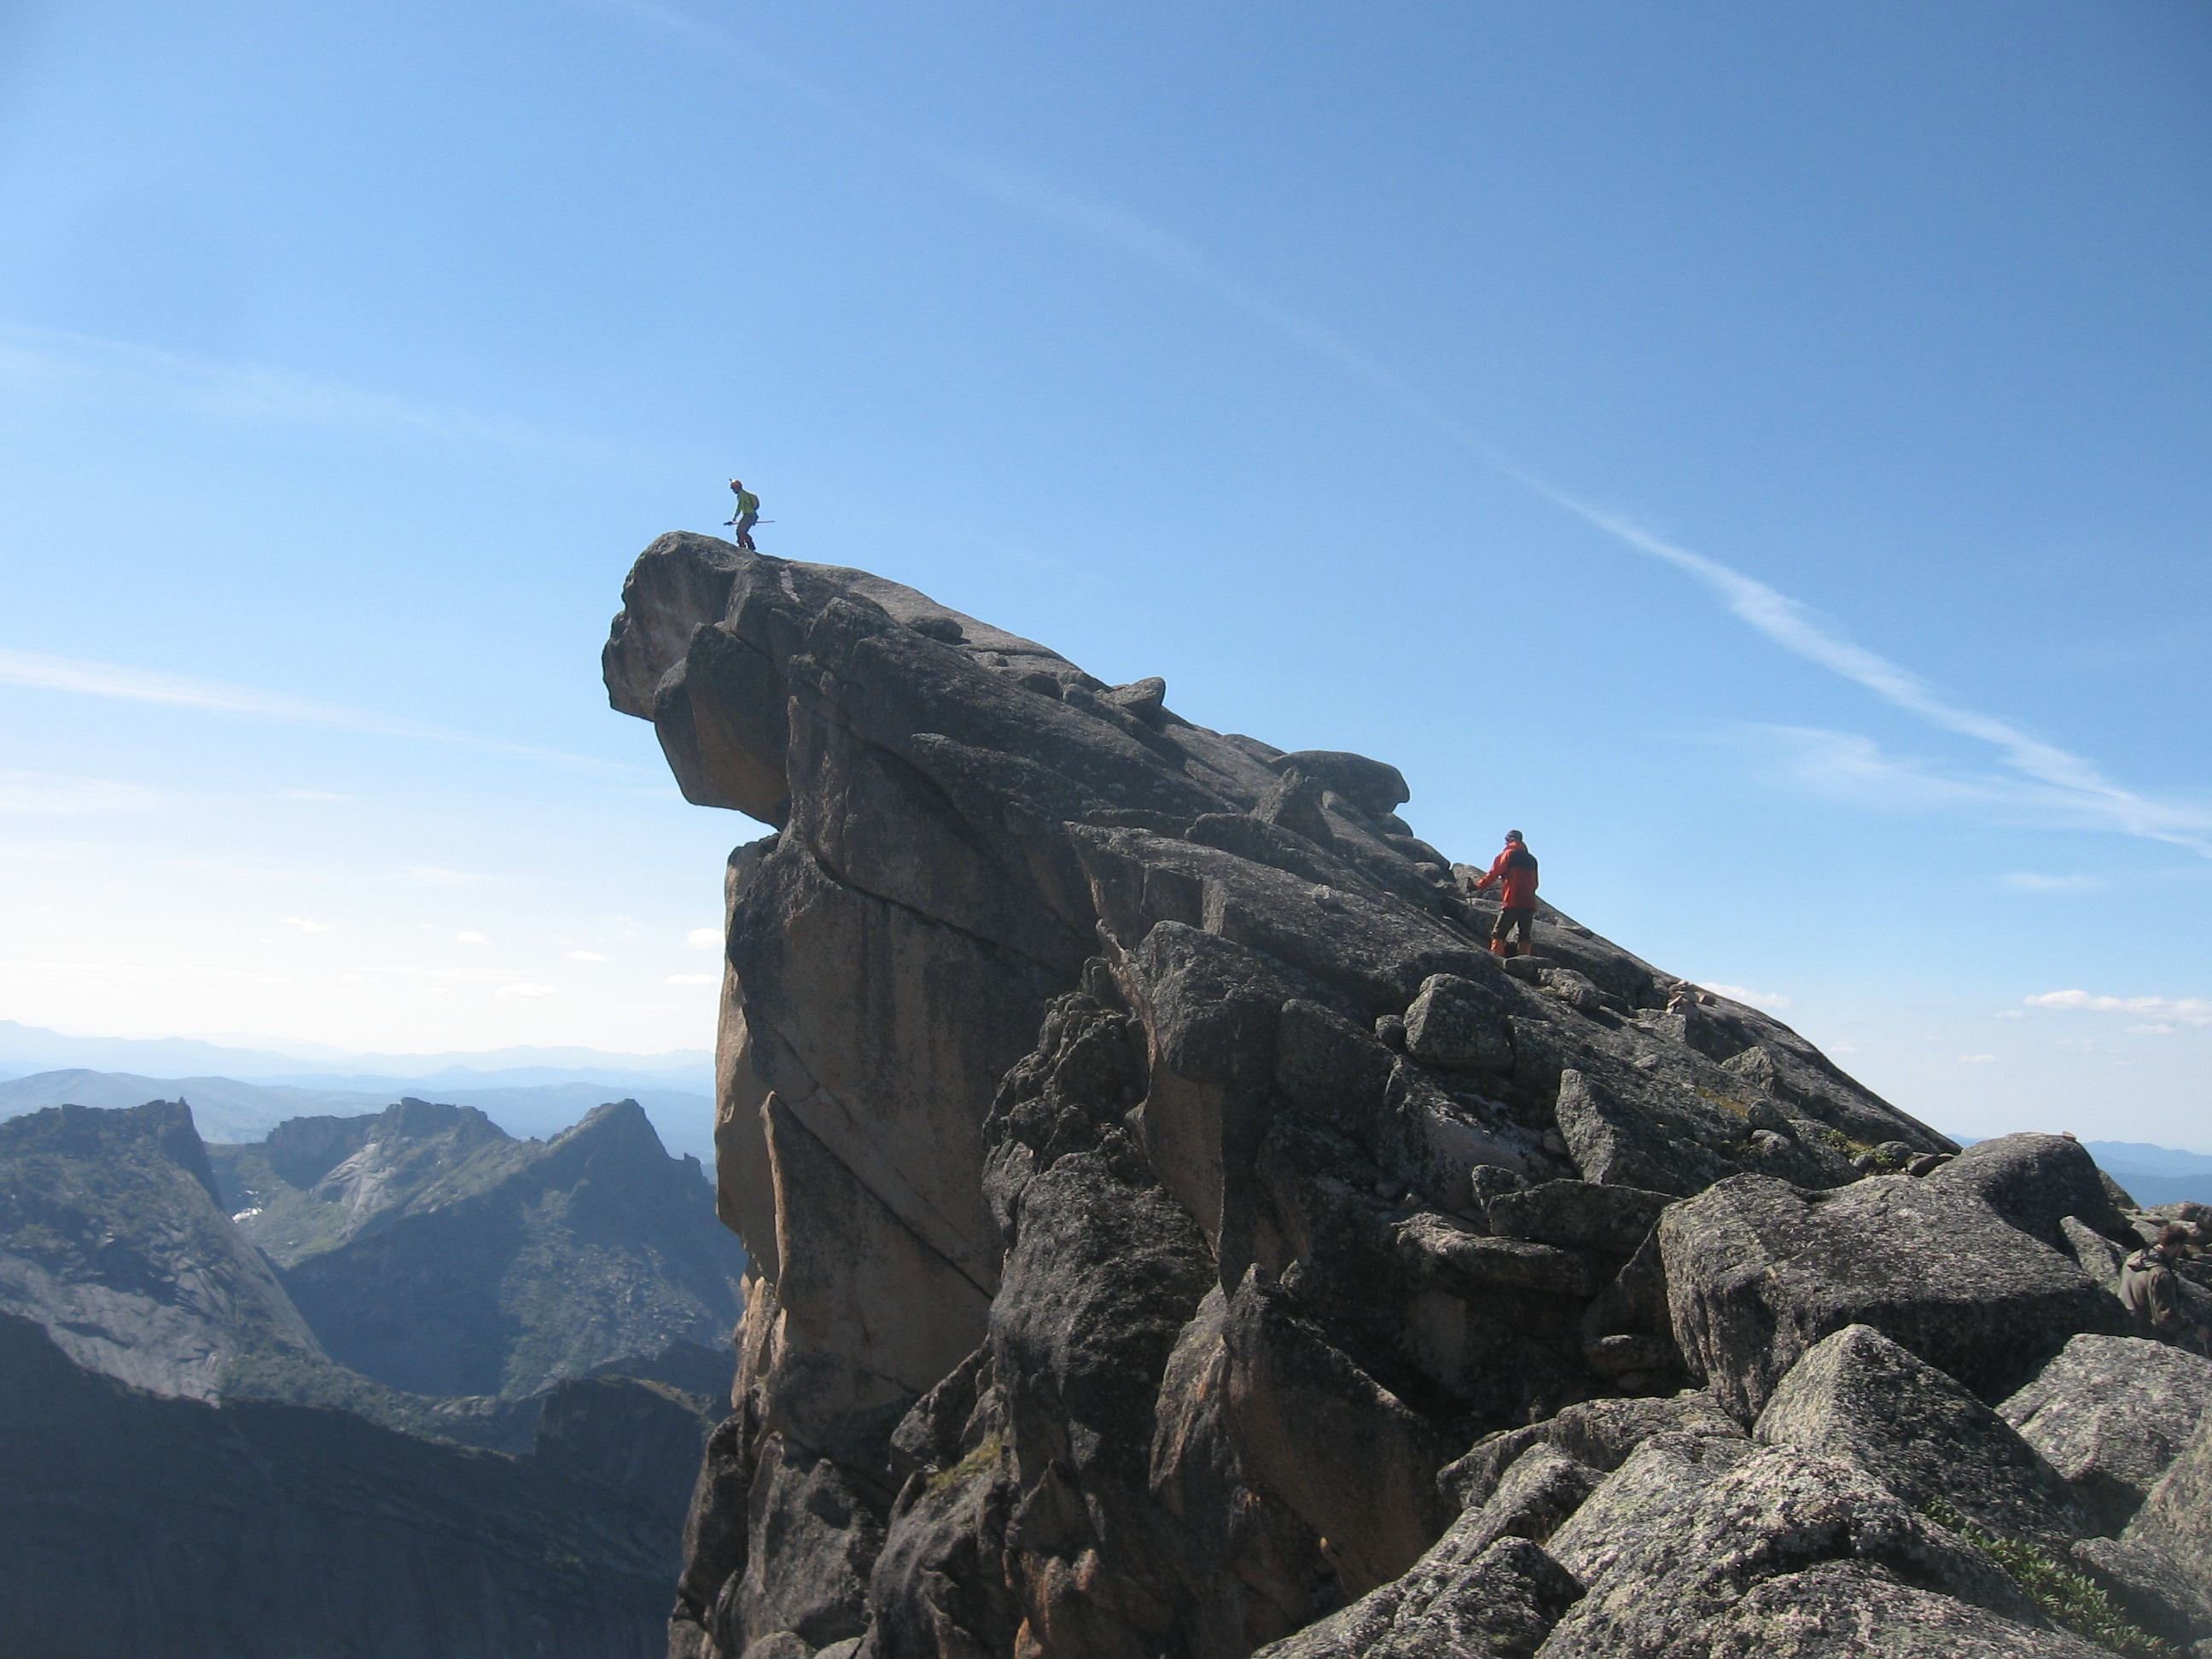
[
  {"x": 2111, "y": 1413},
  {"x": 1500, "y": 1601},
  {"x": 2175, "y": 1523},
  {"x": 1758, "y": 1272},
  {"x": 1777, "y": 1551},
  {"x": 2035, "y": 1181},
  {"x": 1858, "y": 1395},
  {"x": 1598, "y": 1434}
]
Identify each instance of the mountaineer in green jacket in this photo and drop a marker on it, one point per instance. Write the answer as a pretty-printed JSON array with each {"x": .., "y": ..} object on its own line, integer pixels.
[
  {"x": 746, "y": 516},
  {"x": 2149, "y": 1288}
]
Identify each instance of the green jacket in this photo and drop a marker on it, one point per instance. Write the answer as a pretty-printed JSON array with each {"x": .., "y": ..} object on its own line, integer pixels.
[
  {"x": 2147, "y": 1288},
  {"x": 747, "y": 503}
]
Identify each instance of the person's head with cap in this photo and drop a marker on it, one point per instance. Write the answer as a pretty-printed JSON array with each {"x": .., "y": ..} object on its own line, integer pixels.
[{"x": 1513, "y": 836}]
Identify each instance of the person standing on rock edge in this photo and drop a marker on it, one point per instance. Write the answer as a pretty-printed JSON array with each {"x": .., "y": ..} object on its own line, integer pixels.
[
  {"x": 746, "y": 516},
  {"x": 2153, "y": 1299},
  {"x": 1513, "y": 872}
]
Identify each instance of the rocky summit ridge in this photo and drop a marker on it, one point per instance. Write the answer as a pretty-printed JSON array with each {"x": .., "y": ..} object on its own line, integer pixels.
[{"x": 1172, "y": 1232}]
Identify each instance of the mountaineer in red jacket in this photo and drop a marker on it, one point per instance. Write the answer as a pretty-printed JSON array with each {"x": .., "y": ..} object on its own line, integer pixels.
[{"x": 1514, "y": 874}]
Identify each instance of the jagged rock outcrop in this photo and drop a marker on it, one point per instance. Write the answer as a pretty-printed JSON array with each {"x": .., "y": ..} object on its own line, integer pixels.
[{"x": 1174, "y": 1232}]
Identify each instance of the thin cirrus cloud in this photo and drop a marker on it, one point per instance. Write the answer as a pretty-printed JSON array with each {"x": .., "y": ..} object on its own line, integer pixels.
[
  {"x": 690, "y": 979},
  {"x": 586, "y": 955},
  {"x": 2046, "y": 881},
  {"x": 527, "y": 989},
  {"x": 2040, "y": 783},
  {"x": 55, "y": 361},
  {"x": 1750, "y": 999},
  {"x": 2189, "y": 1010},
  {"x": 1855, "y": 770},
  {"x": 73, "y": 676},
  {"x": 55, "y": 793}
]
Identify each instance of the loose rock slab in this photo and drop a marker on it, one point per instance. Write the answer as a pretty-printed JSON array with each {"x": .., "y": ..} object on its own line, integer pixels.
[
  {"x": 1858, "y": 1395},
  {"x": 1759, "y": 1271},
  {"x": 1772, "y": 1555},
  {"x": 2111, "y": 1413}
]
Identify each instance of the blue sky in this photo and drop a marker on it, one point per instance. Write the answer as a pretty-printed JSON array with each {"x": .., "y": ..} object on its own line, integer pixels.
[{"x": 1758, "y": 450}]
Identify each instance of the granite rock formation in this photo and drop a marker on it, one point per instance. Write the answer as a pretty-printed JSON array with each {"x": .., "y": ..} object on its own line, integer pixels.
[{"x": 1172, "y": 1233}]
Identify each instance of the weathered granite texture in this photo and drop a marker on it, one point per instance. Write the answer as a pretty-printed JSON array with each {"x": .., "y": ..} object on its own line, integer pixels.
[{"x": 1154, "y": 1188}]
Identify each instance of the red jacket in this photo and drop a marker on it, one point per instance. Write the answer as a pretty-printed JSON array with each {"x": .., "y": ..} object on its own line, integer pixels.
[{"x": 1515, "y": 871}]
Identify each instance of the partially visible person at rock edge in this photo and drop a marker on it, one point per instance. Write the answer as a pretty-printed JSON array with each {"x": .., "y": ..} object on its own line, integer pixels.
[{"x": 2151, "y": 1289}]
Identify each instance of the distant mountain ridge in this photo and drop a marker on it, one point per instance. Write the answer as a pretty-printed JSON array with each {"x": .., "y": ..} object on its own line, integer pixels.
[
  {"x": 432, "y": 1252},
  {"x": 2155, "y": 1174},
  {"x": 111, "y": 1236},
  {"x": 27, "y": 1048},
  {"x": 513, "y": 1263},
  {"x": 228, "y": 1110}
]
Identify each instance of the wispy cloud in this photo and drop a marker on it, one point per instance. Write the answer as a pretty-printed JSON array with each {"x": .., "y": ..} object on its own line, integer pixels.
[
  {"x": 2069, "y": 779},
  {"x": 527, "y": 990},
  {"x": 2189, "y": 1010},
  {"x": 100, "y": 679},
  {"x": 1849, "y": 768},
  {"x": 1750, "y": 999},
  {"x": 704, "y": 939},
  {"x": 2040, "y": 881},
  {"x": 306, "y": 925},
  {"x": 55, "y": 361},
  {"x": 38, "y": 793},
  {"x": 690, "y": 979}
]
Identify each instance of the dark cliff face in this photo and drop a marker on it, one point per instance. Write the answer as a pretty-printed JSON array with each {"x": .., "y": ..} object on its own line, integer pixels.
[
  {"x": 1154, "y": 1184},
  {"x": 133, "y": 1523},
  {"x": 430, "y": 1251}
]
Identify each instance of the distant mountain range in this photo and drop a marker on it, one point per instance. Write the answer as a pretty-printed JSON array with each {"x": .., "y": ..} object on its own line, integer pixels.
[
  {"x": 526, "y": 1343},
  {"x": 27, "y": 1048},
  {"x": 228, "y": 1109},
  {"x": 418, "y": 1267},
  {"x": 2155, "y": 1174}
]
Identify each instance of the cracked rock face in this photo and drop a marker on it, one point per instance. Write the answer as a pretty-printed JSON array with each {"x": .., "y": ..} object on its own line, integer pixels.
[{"x": 1174, "y": 1232}]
